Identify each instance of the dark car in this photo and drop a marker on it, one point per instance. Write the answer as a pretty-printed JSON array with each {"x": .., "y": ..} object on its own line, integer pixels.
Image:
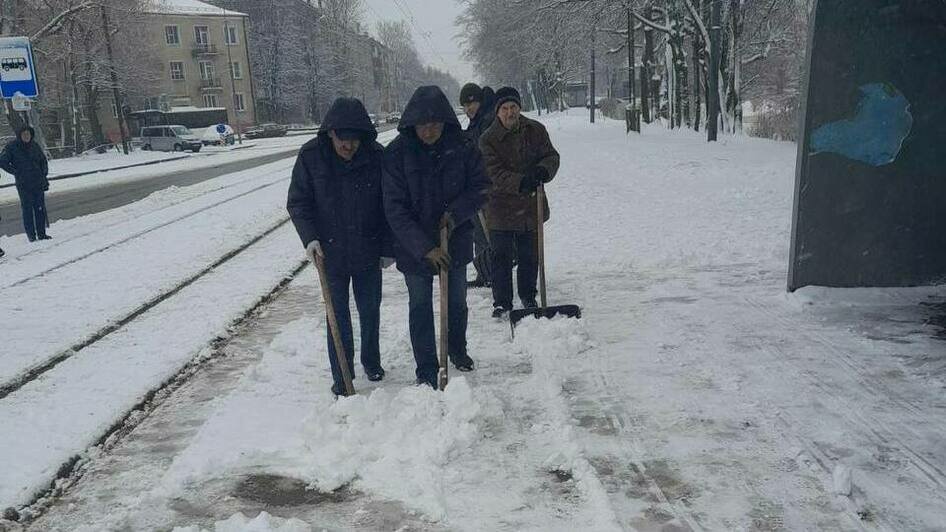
[{"x": 265, "y": 131}]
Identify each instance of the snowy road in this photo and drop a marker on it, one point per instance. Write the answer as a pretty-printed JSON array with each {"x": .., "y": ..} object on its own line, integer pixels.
[{"x": 695, "y": 394}]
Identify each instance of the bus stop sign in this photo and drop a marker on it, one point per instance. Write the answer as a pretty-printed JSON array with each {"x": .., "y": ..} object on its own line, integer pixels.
[{"x": 17, "y": 71}]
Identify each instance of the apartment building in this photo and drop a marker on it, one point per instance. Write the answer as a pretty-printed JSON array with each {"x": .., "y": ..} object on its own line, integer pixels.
[{"x": 204, "y": 62}]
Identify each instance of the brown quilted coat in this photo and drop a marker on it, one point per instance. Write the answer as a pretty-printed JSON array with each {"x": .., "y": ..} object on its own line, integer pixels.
[{"x": 508, "y": 155}]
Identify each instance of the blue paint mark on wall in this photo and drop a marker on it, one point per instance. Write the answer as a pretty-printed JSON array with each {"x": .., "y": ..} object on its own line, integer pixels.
[{"x": 876, "y": 132}]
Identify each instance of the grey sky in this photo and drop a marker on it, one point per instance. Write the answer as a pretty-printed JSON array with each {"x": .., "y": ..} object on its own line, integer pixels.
[{"x": 434, "y": 17}]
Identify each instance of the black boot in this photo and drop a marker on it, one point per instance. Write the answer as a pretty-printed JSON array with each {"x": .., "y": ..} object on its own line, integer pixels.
[
  {"x": 499, "y": 312},
  {"x": 529, "y": 303},
  {"x": 374, "y": 375},
  {"x": 462, "y": 362},
  {"x": 339, "y": 390},
  {"x": 44, "y": 237}
]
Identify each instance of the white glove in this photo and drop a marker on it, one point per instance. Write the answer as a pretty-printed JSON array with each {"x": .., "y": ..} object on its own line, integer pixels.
[
  {"x": 314, "y": 248},
  {"x": 386, "y": 262}
]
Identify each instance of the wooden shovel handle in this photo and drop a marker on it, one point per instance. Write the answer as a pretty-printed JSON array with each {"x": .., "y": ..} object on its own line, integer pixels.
[
  {"x": 442, "y": 376},
  {"x": 333, "y": 325}
]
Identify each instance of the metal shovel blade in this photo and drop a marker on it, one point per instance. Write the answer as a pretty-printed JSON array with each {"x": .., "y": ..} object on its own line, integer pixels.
[{"x": 569, "y": 311}]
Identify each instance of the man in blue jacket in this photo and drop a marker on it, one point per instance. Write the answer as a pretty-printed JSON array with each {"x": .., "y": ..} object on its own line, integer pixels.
[
  {"x": 335, "y": 203},
  {"x": 434, "y": 177},
  {"x": 24, "y": 158}
]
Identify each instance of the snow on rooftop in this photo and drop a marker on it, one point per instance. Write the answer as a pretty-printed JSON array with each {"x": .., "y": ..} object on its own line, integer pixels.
[{"x": 190, "y": 7}]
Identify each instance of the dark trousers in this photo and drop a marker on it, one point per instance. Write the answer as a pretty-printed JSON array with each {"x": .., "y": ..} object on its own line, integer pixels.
[
  {"x": 510, "y": 246},
  {"x": 367, "y": 289},
  {"x": 33, "y": 204},
  {"x": 423, "y": 337},
  {"x": 481, "y": 252}
]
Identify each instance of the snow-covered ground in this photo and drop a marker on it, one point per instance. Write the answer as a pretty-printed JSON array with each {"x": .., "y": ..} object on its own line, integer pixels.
[{"x": 695, "y": 394}]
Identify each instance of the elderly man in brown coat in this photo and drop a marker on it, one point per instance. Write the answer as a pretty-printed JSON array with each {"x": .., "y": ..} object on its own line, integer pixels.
[{"x": 519, "y": 157}]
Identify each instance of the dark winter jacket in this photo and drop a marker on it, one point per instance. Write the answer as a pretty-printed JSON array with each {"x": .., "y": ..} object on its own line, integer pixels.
[
  {"x": 508, "y": 155},
  {"x": 339, "y": 203},
  {"x": 484, "y": 116},
  {"x": 26, "y": 161},
  {"x": 423, "y": 182}
]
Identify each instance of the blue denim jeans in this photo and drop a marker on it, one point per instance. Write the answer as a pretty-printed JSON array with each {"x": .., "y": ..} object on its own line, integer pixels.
[
  {"x": 423, "y": 336},
  {"x": 367, "y": 289},
  {"x": 33, "y": 205}
]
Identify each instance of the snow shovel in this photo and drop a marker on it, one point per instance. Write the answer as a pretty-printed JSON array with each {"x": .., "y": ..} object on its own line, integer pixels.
[
  {"x": 333, "y": 325},
  {"x": 544, "y": 311},
  {"x": 442, "y": 377}
]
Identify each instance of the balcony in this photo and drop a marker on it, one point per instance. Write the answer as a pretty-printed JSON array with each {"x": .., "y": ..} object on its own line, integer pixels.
[
  {"x": 200, "y": 50},
  {"x": 211, "y": 84}
]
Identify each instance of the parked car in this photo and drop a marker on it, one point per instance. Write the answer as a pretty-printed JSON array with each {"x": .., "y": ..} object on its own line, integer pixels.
[
  {"x": 212, "y": 136},
  {"x": 393, "y": 118},
  {"x": 265, "y": 131},
  {"x": 169, "y": 138}
]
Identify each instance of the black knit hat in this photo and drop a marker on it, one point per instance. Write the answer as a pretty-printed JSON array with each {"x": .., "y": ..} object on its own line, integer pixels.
[
  {"x": 471, "y": 92},
  {"x": 507, "y": 94}
]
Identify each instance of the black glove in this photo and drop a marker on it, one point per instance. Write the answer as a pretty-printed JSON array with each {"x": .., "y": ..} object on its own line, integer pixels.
[
  {"x": 530, "y": 181},
  {"x": 541, "y": 174}
]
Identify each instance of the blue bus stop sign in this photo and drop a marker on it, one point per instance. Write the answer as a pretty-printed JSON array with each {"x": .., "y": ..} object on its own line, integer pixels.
[
  {"x": 221, "y": 128},
  {"x": 17, "y": 71}
]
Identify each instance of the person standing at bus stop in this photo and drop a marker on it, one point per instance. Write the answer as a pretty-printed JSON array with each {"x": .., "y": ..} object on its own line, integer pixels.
[{"x": 23, "y": 157}]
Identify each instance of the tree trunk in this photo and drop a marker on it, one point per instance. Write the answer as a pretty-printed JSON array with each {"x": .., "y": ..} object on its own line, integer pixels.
[
  {"x": 713, "y": 101},
  {"x": 697, "y": 82},
  {"x": 116, "y": 93},
  {"x": 647, "y": 93}
]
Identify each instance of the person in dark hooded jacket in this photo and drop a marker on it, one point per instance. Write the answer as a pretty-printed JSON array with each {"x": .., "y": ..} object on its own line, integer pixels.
[
  {"x": 434, "y": 177},
  {"x": 478, "y": 104},
  {"x": 336, "y": 206},
  {"x": 24, "y": 158}
]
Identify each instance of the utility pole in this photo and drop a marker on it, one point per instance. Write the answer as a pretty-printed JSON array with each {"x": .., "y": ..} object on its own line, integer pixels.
[
  {"x": 227, "y": 41},
  {"x": 116, "y": 94},
  {"x": 591, "y": 84}
]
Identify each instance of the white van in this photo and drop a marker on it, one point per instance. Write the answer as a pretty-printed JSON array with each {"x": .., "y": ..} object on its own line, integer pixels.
[{"x": 169, "y": 138}]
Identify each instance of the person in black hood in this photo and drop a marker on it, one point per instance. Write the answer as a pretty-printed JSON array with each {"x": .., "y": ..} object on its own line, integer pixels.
[
  {"x": 433, "y": 178},
  {"x": 23, "y": 157},
  {"x": 479, "y": 106},
  {"x": 335, "y": 202}
]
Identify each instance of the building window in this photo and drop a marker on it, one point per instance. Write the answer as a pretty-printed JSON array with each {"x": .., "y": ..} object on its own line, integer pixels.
[
  {"x": 202, "y": 35},
  {"x": 230, "y": 35},
  {"x": 238, "y": 103},
  {"x": 206, "y": 70},
  {"x": 210, "y": 100},
  {"x": 173, "y": 36},
  {"x": 177, "y": 70},
  {"x": 236, "y": 69}
]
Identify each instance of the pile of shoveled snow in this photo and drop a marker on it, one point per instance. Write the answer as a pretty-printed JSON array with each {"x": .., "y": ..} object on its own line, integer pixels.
[
  {"x": 393, "y": 442},
  {"x": 262, "y": 523}
]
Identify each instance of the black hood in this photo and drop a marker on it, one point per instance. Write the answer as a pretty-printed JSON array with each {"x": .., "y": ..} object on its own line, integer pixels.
[
  {"x": 428, "y": 104},
  {"x": 21, "y": 129},
  {"x": 489, "y": 97},
  {"x": 349, "y": 113}
]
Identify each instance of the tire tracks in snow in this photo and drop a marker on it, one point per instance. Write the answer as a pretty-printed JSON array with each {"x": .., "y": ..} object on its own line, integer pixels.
[
  {"x": 62, "y": 241},
  {"x": 881, "y": 435},
  {"x": 37, "y": 371},
  {"x": 138, "y": 235}
]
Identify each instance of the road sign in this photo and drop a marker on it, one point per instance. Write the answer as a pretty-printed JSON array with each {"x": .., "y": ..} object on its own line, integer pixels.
[
  {"x": 221, "y": 128},
  {"x": 17, "y": 71}
]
